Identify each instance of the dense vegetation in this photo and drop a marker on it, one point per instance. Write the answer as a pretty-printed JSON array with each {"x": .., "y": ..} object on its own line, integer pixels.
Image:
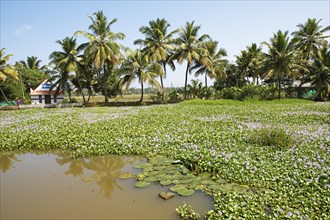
[
  {"x": 103, "y": 66},
  {"x": 278, "y": 145}
]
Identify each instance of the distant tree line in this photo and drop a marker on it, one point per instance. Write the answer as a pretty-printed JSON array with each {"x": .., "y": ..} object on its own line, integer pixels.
[{"x": 103, "y": 66}]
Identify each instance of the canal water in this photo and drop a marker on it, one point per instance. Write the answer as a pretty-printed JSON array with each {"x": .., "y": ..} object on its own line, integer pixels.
[{"x": 54, "y": 186}]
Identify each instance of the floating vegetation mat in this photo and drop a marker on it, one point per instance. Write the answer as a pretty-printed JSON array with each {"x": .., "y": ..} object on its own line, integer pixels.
[{"x": 183, "y": 181}]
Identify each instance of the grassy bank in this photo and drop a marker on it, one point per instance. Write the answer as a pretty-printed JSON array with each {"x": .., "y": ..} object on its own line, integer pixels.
[{"x": 279, "y": 145}]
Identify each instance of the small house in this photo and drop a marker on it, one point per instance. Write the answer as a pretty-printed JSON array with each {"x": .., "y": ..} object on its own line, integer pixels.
[{"x": 43, "y": 94}]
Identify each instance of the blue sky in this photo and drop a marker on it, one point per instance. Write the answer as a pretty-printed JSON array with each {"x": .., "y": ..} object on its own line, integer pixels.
[{"x": 30, "y": 28}]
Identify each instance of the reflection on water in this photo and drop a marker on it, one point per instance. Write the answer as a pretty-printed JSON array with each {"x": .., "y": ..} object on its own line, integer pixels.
[
  {"x": 7, "y": 160},
  {"x": 57, "y": 186},
  {"x": 106, "y": 169}
]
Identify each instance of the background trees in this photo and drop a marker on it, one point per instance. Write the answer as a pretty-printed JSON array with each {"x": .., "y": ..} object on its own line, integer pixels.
[
  {"x": 100, "y": 65},
  {"x": 6, "y": 71}
]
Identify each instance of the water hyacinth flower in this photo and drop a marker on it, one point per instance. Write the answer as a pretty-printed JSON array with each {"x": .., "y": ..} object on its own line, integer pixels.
[{"x": 289, "y": 214}]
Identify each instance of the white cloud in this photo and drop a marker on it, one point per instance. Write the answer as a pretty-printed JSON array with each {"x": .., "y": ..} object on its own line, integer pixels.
[{"x": 22, "y": 29}]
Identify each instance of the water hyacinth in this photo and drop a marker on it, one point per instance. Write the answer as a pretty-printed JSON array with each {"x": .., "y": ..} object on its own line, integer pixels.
[{"x": 212, "y": 138}]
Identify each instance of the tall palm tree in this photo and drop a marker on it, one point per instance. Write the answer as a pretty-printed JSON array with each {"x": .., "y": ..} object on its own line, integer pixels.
[
  {"x": 102, "y": 48},
  {"x": 320, "y": 73},
  {"x": 158, "y": 44},
  {"x": 255, "y": 61},
  {"x": 6, "y": 70},
  {"x": 66, "y": 63},
  {"x": 281, "y": 59},
  {"x": 136, "y": 65},
  {"x": 242, "y": 62},
  {"x": 212, "y": 64},
  {"x": 33, "y": 63},
  {"x": 310, "y": 37},
  {"x": 190, "y": 47}
]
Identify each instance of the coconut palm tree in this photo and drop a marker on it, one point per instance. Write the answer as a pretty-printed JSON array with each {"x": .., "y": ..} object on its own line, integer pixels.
[
  {"x": 6, "y": 70},
  {"x": 190, "y": 47},
  {"x": 66, "y": 63},
  {"x": 320, "y": 73},
  {"x": 102, "y": 48},
  {"x": 212, "y": 64},
  {"x": 136, "y": 65},
  {"x": 255, "y": 61},
  {"x": 33, "y": 63},
  {"x": 310, "y": 37},
  {"x": 158, "y": 44},
  {"x": 281, "y": 58}
]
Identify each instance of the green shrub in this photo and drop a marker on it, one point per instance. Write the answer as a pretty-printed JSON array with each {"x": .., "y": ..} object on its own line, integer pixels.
[
  {"x": 157, "y": 96},
  {"x": 267, "y": 92},
  {"x": 275, "y": 137},
  {"x": 230, "y": 93},
  {"x": 174, "y": 95}
]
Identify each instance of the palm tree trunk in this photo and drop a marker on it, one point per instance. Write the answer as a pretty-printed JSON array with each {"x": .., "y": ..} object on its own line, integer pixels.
[
  {"x": 206, "y": 82},
  {"x": 82, "y": 93},
  {"x": 162, "y": 85},
  {"x": 141, "y": 99},
  {"x": 106, "y": 100},
  {"x": 20, "y": 79},
  {"x": 4, "y": 96},
  {"x": 69, "y": 93},
  {"x": 161, "y": 81},
  {"x": 186, "y": 81},
  {"x": 279, "y": 87},
  {"x": 89, "y": 96}
]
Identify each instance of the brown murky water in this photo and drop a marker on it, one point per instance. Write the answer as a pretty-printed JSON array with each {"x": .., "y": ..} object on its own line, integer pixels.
[{"x": 53, "y": 186}]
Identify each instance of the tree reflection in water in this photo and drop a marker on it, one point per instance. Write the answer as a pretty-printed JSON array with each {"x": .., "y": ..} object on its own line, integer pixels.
[
  {"x": 76, "y": 166},
  {"x": 105, "y": 170},
  {"x": 7, "y": 161}
]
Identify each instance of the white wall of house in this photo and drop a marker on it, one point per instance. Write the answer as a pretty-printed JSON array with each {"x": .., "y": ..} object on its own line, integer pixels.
[{"x": 41, "y": 99}]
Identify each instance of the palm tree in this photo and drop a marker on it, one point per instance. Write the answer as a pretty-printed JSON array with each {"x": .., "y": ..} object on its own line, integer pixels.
[
  {"x": 212, "y": 65},
  {"x": 102, "y": 48},
  {"x": 136, "y": 65},
  {"x": 158, "y": 44},
  {"x": 6, "y": 70},
  {"x": 33, "y": 63},
  {"x": 25, "y": 68},
  {"x": 66, "y": 62},
  {"x": 255, "y": 61},
  {"x": 195, "y": 88},
  {"x": 190, "y": 47},
  {"x": 320, "y": 73},
  {"x": 281, "y": 59},
  {"x": 310, "y": 38}
]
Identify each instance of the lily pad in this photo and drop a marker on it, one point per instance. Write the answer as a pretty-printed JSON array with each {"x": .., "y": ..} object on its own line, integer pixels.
[
  {"x": 165, "y": 182},
  {"x": 126, "y": 175},
  {"x": 186, "y": 181},
  {"x": 185, "y": 192},
  {"x": 151, "y": 179},
  {"x": 142, "y": 184},
  {"x": 177, "y": 188}
]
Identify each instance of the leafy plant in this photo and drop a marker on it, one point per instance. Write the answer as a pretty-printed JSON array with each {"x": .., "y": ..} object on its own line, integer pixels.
[
  {"x": 186, "y": 212},
  {"x": 274, "y": 137}
]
